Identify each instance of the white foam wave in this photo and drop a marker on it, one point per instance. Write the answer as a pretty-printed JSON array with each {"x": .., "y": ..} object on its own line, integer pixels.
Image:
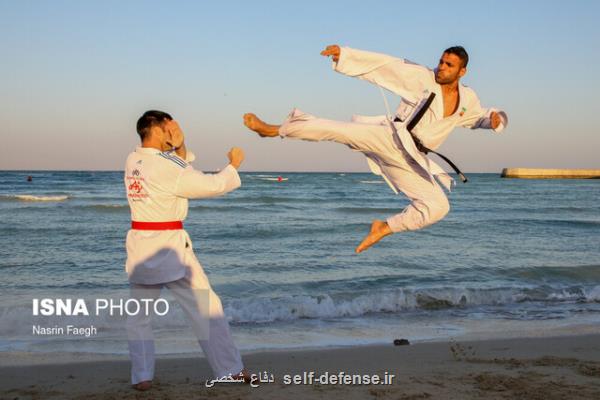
[
  {"x": 372, "y": 182},
  {"x": 593, "y": 294},
  {"x": 291, "y": 308},
  {"x": 30, "y": 197},
  {"x": 263, "y": 310}
]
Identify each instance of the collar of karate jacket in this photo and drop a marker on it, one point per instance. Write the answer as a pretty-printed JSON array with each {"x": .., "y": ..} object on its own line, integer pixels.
[
  {"x": 151, "y": 150},
  {"x": 437, "y": 107},
  {"x": 147, "y": 150}
]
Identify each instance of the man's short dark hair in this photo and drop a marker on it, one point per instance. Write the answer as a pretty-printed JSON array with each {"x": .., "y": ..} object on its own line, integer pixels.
[
  {"x": 460, "y": 52},
  {"x": 149, "y": 119}
]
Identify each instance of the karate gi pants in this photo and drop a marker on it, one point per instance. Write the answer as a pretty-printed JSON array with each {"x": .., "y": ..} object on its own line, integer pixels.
[
  {"x": 208, "y": 322},
  {"x": 428, "y": 202}
]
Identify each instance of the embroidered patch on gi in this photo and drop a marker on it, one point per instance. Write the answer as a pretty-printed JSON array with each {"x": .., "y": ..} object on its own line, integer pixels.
[{"x": 135, "y": 187}]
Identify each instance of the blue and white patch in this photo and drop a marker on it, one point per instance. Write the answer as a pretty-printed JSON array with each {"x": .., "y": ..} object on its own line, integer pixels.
[{"x": 173, "y": 158}]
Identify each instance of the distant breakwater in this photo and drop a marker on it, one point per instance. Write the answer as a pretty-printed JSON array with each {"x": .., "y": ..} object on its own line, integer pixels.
[{"x": 541, "y": 173}]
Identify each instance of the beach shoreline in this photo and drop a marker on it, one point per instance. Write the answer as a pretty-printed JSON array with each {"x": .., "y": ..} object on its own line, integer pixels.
[{"x": 566, "y": 366}]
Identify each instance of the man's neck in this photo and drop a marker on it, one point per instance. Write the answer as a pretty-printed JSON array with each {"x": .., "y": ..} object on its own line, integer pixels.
[
  {"x": 451, "y": 98},
  {"x": 152, "y": 144},
  {"x": 450, "y": 88}
]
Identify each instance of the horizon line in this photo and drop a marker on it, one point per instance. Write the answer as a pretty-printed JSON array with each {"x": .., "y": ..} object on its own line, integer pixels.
[{"x": 210, "y": 171}]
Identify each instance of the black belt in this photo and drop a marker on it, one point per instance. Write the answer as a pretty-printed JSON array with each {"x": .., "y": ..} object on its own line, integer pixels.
[{"x": 413, "y": 122}]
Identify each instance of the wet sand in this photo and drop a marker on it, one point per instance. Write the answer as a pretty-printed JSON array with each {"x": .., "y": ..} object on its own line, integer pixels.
[{"x": 565, "y": 367}]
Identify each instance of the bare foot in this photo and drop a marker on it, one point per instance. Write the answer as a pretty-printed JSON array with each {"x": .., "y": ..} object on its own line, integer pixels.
[
  {"x": 257, "y": 125},
  {"x": 244, "y": 374},
  {"x": 379, "y": 229},
  {"x": 143, "y": 386}
]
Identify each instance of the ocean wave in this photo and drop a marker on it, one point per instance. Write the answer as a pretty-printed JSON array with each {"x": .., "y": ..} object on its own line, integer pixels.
[
  {"x": 371, "y": 182},
  {"x": 545, "y": 222},
  {"x": 319, "y": 307},
  {"x": 31, "y": 197},
  {"x": 231, "y": 208},
  {"x": 287, "y": 230},
  {"x": 579, "y": 274},
  {"x": 105, "y": 208},
  {"x": 594, "y": 294},
  {"x": 276, "y": 199},
  {"x": 366, "y": 210},
  {"x": 266, "y": 310}
]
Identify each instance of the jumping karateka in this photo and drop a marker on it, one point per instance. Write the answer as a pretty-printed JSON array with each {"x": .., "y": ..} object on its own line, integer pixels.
[
  {"x": 159, "y": 181},
  {"x": 390, "y": 148}
]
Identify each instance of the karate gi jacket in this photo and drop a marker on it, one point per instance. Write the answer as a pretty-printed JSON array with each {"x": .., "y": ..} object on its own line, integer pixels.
[
  {"x": 158, "y": 186},
  {"x": 413, "y": 83}
]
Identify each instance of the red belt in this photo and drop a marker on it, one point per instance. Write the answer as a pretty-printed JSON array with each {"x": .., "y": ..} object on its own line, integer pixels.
[{"x": 156, "y": 226}]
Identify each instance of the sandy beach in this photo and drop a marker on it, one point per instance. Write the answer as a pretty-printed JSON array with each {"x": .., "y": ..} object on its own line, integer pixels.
[{"x": 564, "y": 367}]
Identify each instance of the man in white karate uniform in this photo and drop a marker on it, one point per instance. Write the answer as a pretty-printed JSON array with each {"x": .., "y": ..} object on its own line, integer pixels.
[
  {"x": 390, "y": 148},
  {"x": 159, "y": 181}
]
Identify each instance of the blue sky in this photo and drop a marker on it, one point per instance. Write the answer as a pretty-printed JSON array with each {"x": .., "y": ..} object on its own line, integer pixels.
[{"x": 77, "y": 75}]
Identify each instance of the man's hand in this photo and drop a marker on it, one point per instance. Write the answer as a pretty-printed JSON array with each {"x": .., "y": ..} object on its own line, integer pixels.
[
  {"x": 174, "y": 134},
  {"x": 333, "y": 51},
  {"x": 236, "y": 156},
  {"x": 495, "y": 120}
]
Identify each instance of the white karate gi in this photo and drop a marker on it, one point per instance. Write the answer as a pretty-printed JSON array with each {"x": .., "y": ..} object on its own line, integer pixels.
[
  {"x": 394, "y": 155},
  {"x": 158, "y": 186}
]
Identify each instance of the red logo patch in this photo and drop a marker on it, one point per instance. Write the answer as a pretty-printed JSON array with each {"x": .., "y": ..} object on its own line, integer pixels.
[{"x": 135, "y": 189}]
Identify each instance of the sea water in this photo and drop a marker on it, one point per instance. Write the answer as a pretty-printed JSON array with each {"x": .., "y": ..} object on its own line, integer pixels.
[{"x": 513, "y": 257}]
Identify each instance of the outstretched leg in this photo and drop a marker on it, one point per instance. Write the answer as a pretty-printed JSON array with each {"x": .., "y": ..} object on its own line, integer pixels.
[
  {"x": 367, "y": 138},
  {"x": 257, "y": 125}
]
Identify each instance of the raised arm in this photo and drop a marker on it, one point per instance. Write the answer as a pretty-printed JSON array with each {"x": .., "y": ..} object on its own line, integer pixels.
[
  {"x": 399, "y": 76},
  {"x": 485, "y": 118},
  {"x": 194, "y": 184}
]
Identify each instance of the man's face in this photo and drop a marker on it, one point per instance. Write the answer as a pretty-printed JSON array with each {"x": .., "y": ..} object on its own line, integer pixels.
[{"x": 449, "y": 70}]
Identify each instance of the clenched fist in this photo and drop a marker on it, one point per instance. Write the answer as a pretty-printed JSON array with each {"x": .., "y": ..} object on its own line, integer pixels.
[
  {"x": 333, "y": 51},
  {"x": 495, "y": 120},
  {"x": 236, "y": 156}
]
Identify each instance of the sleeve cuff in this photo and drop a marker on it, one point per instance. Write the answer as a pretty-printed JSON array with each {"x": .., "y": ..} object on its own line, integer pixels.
[
  {"x": 189, "y": 156},
  {"x": 503, "y": 123},
  {"x": 339, "y": 65},
  {"x": 234, "y": 176}
]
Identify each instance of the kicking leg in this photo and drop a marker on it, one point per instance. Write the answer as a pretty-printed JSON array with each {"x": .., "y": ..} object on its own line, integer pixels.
[
  {"x": 367, "y": 138},
  {"x": 257, "y": 125}
]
